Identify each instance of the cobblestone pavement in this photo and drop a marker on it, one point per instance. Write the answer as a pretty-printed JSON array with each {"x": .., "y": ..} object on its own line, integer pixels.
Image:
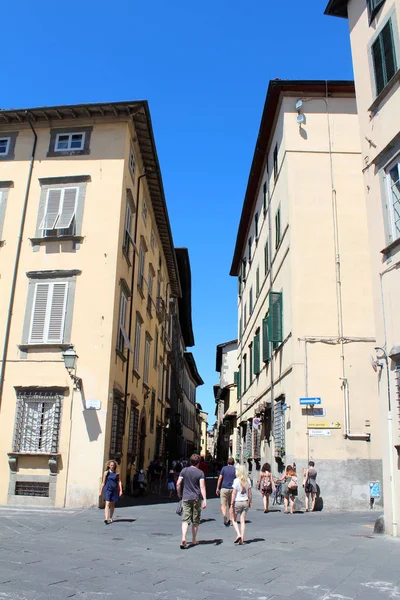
[{"x": 314, "y": 556}]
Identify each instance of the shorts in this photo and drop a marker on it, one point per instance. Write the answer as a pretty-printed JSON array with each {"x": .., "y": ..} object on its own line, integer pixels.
[
  {"x": 171, "y": 486},
  {"x": 226, "y": 496},
  {"x": 191, "y": 511},
  {"x": 241, "y": 507}
]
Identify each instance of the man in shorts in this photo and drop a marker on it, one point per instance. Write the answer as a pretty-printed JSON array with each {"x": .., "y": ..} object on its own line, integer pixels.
[
  {"x": 194, "y": 488},
  {"x": 224, "y": 489}
]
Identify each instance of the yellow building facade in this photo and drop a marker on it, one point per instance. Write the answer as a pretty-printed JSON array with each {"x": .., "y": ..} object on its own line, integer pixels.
[{"x": 87, "y": 270}]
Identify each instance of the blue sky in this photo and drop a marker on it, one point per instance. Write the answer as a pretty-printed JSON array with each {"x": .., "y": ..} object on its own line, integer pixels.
[{"x": 204, "y": 67}]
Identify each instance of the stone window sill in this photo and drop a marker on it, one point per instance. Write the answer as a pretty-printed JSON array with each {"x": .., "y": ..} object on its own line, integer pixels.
[
  {"x": 389, "y": 86},
  {"x": 53, "y": 346},
  {"x": 60, "y": 238},
  {"x": 51, "y": 456},
  {"x": 393, "y": 246},
  {"x": 121, "y": 355}
]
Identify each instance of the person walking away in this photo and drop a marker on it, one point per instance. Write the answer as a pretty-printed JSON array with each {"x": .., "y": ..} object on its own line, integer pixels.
[
  {"x": 111, "y": 488},
  {"x": 241, "y": 502},
  {"x": 290, "y": 489},
  {"x": 203, "y": 466},
  {"x": 194, "y": 488},
  {"x": 224, "y": 490},
  {"x": 171, "y": 482},
  {"x": 310, "y": 485},
  {"x": 266, "y": 484}
]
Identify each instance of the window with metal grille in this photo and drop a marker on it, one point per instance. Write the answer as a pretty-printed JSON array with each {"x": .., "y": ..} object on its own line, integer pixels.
[
  {"x": 32, "y": 488},
  {"x": 133, "y": 431},
  {"x": 117, "y": 425},
  {"x": 152, "y": 410},
  {"x": 393, "y": 183},
  {"x": 37, "y": 422},
  {"x": 279, "y": 428}
]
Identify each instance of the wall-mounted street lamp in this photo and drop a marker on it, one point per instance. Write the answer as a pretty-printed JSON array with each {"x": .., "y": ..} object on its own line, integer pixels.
[{"x": 70, "y": 357}]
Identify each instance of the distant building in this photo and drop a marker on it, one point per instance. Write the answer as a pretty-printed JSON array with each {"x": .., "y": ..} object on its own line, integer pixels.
[
  {"x": 225, "y": 394},
  {"x": 305, "y": 307}
]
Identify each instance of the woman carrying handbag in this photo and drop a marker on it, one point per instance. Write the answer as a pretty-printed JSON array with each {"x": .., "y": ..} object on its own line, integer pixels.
[{"x": 266, "y": 485}]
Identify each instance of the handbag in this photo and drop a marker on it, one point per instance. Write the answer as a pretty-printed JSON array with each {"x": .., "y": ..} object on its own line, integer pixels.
[
  {"x": 179, "y": 508},
  {"x": 308, "y": 488},
  {"x": 293, "y": 483}
]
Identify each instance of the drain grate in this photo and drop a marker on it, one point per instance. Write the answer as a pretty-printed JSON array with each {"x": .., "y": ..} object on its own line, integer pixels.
[{"x": 32, "y": 488}]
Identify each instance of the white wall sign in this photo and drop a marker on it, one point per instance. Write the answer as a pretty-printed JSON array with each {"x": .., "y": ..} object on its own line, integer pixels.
[
  {"x": 319, "y": 432},
  {"x": 93, "y": 404},
  {"x": 317, "y": 411}
]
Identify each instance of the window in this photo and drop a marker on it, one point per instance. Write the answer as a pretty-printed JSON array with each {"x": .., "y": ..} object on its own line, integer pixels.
[
  {"x": 275, "y": 156},
  {"x": 128, "y": 226},
  {"x": 122, "y": 338},
  {"x": 250, "y": 243},
  {"x": 150, "y": 290},
  {"x": 133, "y": 430},
  {"x": 48, "y": 313},
  {"x": 155, "y": 359},
  {"x": 266, "y": 257},
  {"x": 240, "y": 328},
  {"x": 239, "y": 382},
  {"x": 147, "y": 346},
  {"x": 144, "y": 211},
  {"x": 374, "y": 7},
  {"x": 257, "y": 282},
  {"x": 245, "y": 315},
  {"x": 138, "y": 331},
  {"x": 240, "y": 285},
  {"x": 244, "y": 373},
  {"x": 277, "y": 227},
  {"x": 266, "y": 346},
  {"x": 251, "y": 362},
  {"x": 153, "y": 240},
  {"x": 69, "y": 141},
  {"x": 117, "y": 425},
  {"x": 243, "y": 270},
  {"x": 265, "y": 197},
  {"x": 384, "y": 57},
  {"x": 256, "y": 226},
  {"x": 141, "y": 268},
  {"x": 4, "y": 146},
  {"x": 279, "y": 427},
  {"x": 256, "y": 350},
  {"x": 37, "y": 423},
  {"x": 393, "y": 183},
  {"x": 132, "y": 164},
  {"x": 160, "y": 379},
  {"x": 251, "y": 301},
  {"x": 3, "y": 205},
  {"x": 60, "y": 210},
  {"x": 152, "y": 410},
  {"x": 275, "y": 322}
]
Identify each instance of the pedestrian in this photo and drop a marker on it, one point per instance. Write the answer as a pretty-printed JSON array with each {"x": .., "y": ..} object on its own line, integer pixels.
[
  {"x": 111, "y": 488},
  {"x": 203, "y": 466},
  {"x": 171, "y": 482},
  {"x": 310, "y": 485},
  {"x": 266, "y": 484},
  {"x": 224, "y": 490},
  {"x": 290, "y": 489},
  {"x": 241, "y": 502},
  {"x": 194, "y": 488}
]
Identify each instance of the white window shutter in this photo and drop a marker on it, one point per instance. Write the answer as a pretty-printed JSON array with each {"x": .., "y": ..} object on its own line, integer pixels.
[
  {"x": 56, "y": 312},
  {"x": 68, "y": 209},
  {"x": 38, "y": 323},
  {"x": 52, "y": 209}
]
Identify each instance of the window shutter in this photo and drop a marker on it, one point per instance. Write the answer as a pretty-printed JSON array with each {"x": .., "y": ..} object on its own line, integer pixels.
[
  {"x": 68, "y": 208},
  {"x": 265, "y": 196},
  {"x": 275, "y": 329},
  {"x": 39, "y": 313},
  {"x": 57, "y": 312},
  {"x": 258, "y": 281},
  {"x": 266, "y": 346},
  {"x": 388, "y": 51},
  {"x": 52, "y": 209},
  {"x": 235, "y": 377},
  {"x": 266, "y": 257},
  {"x": 256, "y": 346},
  {"x": 378, "y": 65},
  {"x": 239, "y": 383}
]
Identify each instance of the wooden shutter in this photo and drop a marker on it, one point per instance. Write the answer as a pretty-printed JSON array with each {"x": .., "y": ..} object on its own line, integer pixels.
[
  {"x": 239, "y": 385},
  {"x": 256, "y": 226},
  {"x": 265, "y": 196},
  {"x": 277, "y": 227},
  {"x": 257, "y": 282},
  {"x": 68, "y": 209},
  {"x": 52, "y": 209},
  {"x": 266, "y": 257},
  {"x": 266, "y": 347},
  {"x": 39, "y": 309},
  {"x": 56, "y": 311},
  {"x": 256, "y": 350},
  {"x": 275, "y": 329},
  {"x": 388, "y": 51},
  {"x": 378, "y": 65}
]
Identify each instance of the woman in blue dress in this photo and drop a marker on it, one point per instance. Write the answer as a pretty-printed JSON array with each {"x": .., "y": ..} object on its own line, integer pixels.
[{"x": 112, "y": 489}]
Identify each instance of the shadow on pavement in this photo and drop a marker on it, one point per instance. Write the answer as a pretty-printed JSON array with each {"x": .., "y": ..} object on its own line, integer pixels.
[
  {"x": 205, "y": 521},
  {"x": 123, "y": 520},
  {"x": 254, "y": 541},
  {"x": 216, "y": 541},
  {"x": 163, "y": 497}
]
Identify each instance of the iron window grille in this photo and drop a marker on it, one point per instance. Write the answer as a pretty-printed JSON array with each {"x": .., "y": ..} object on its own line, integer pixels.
[
  {"x": 133, "y": 431},
  {"x": 37, "y": 423},
  {"x": 117, "y": 426}
]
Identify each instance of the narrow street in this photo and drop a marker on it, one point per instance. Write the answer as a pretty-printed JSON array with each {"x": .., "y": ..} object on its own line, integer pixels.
[{"x": 315, "y": 556}]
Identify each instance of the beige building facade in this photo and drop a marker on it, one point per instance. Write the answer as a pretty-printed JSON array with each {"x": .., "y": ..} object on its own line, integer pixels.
[
  {"x": 225, "y": 393},
  {"x": 87, "y": 270},
  {"x": 305, "y": 309},
  {"x": 375, "y": 44}
]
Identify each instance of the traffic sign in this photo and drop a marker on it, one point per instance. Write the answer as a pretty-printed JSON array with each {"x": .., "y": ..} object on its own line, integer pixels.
[
  {"x": 324, "y": 425},
  {"x": 374, "y": 489},
  {"x": 319, "y": 432},
  {"x": 310, "y": 401}
]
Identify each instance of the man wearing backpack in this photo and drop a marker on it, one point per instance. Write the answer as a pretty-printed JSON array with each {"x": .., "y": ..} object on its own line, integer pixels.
[{"x": 194, "y": 488}]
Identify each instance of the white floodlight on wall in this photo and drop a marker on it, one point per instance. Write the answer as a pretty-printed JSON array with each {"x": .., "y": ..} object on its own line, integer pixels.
[
  {"x": 300, "y": 119},
  {"x": 299, "y": 104}
]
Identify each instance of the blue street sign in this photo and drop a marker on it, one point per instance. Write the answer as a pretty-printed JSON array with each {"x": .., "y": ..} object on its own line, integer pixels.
[
  {"x": 284, "y": 406},
  {"x": 310, "y": 401},
  {"x": 374, "y": 489}
]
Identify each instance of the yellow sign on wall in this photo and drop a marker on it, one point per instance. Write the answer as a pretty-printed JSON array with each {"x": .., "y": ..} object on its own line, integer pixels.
[{"x": 324, "y": 424}]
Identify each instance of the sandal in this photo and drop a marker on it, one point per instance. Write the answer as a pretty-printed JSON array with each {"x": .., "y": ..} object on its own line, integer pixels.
[
  {"x": 183, "y": 546},
  {"x": 242, "y": 542},
  {"x": 238, "y": 539}
]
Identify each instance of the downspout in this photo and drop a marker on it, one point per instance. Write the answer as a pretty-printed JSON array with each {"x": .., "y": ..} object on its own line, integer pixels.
[{"x": 16, "y": 264}]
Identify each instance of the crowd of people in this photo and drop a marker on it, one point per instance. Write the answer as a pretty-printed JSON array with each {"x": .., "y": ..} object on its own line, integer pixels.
[{"x": 186, "y": 479}]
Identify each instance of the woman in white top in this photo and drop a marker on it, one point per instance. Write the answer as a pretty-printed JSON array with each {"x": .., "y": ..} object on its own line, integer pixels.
[{"x": 241, "y": 501}]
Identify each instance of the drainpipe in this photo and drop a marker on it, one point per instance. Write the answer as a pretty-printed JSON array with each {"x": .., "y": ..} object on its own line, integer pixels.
[{"x": 16, "y": 263}]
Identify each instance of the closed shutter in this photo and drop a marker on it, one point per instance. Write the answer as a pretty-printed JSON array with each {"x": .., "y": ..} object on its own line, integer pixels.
[
  {"x": 235, "y": 377},
  {"x": 388, "y": 51},
  {"x": 68, "y": 208},
  {"x": 266, "y": 258},
  {"x": 39, "y": 313},
  {"x": 256, "y": 346},
  {"x": 279, "y": 429},
  {"x": 265, "y": 196},
  {"x": 257, "y": 281},
  {"x": 275, "y": 329},
  {"x": 52, "y": 209},
  {"x": 239, "y": 384},
  {"x": 57, "y": 312},
  {"x": 266, "y": 346}
]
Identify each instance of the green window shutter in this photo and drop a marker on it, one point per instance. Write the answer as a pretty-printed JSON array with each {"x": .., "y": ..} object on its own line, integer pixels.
[
  {"x": 256, "y": 226},
  {"x": 251, "y": 301},
  {"x": 256, "y": 347},
  {"x": 244, "y": 373},
  {"x": 257, "y": 282},
  {"x": 266, "y": 346},
  {"x": 265, "y": 196},
  {"x": 251, "y": 363},
  {"x": 235, "y": 377},
  {"x": 277, "y": 227},
  {"x": 239, "y": 383},
  {"x": 383, "y": 57},
  {"x": 266, "y": 257},
  {"x": 275, "y": 329},
  {"x": 240, "y": 327}
]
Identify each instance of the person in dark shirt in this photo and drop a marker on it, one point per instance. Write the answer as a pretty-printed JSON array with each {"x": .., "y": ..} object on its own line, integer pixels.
[
  {"x": 224, "y": 490},
  {"x": 194, "y": 488}
]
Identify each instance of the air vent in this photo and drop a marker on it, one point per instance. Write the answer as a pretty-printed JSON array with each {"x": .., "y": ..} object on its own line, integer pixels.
[{"x": 32, "y": 488}]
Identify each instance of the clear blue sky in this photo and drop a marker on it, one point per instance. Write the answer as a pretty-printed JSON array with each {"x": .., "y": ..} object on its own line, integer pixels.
[{"x": 204, "y": 67}]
